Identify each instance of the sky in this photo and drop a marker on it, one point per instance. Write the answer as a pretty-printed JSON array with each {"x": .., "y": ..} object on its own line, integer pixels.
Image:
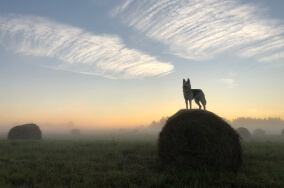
[{"x": 101, "y": 64}]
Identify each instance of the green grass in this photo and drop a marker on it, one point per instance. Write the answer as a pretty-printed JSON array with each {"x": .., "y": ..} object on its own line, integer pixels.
[{"x": 127, "y": 163}]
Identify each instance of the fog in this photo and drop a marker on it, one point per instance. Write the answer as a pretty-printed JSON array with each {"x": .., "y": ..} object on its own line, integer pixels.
[{"x": 271, "y": 126}]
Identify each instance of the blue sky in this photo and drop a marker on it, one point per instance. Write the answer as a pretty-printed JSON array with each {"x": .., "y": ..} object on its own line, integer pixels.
[{"x": 121, "y": 63}]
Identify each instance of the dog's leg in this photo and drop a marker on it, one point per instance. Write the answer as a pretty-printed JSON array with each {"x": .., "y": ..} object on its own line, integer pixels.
[
  {"x": 190, "y": 104},
  {"x": 203, "y": 102},
  {"x": 186, "y": 104},
  {"x": 197, "y": 102}
]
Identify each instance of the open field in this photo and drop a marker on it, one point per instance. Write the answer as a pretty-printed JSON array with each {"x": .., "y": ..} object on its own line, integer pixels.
[{"x": 121, "y": 161}]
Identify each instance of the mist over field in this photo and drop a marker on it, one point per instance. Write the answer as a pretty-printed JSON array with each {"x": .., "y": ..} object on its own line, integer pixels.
[{"x": 271, "y": 126}]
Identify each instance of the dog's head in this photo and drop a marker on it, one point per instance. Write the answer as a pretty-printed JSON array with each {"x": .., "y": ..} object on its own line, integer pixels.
[{"x": 186, "y": 84}]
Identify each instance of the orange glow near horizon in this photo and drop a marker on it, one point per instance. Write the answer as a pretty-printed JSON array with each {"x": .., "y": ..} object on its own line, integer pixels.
[
  {"x": 112, "y": 119},
  {"x": 123, "y": 114}
]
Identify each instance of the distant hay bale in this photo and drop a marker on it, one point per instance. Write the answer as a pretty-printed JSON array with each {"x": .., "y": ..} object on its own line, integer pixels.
[
  {"x": 75, "y": 131},
  {"x": 25, "y": 132},
  {"x": 243, "y": 132},
  {"x": 259, "y": 132},
  {"x": 196, "y": 138}
]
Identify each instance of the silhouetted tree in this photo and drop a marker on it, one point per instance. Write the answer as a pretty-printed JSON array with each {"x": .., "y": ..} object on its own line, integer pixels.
[
  {"x": 272, "y": 124},
  {"x": 158, "y": 124},
  {"x": 249, "y": 120}
]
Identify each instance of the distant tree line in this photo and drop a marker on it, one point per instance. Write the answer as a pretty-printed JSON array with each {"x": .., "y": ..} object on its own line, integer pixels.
[
  {"x": 271, "y": 125},
  {"x": 237, "y": 121},
  {"x": 254, "y": 121},
  {"x": 158, "y": 124}
]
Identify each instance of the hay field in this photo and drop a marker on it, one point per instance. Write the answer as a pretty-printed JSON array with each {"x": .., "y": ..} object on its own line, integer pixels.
[{"x": 119, "y": 161}]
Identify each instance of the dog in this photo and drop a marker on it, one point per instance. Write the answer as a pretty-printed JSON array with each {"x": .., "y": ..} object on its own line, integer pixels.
[{"x": 196, "y": 94}]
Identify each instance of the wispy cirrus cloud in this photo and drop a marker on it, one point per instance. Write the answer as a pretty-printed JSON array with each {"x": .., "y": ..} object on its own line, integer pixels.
[
  {"x": 202, "y": 29},
  {"x": 78, "y": 50}
]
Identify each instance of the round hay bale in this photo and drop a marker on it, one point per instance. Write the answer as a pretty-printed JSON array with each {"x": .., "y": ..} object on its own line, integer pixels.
[
  {"x": 259, "y": 132},
  {"x": 243, "y": 132},
  {"x": 25, "y": 132},
  {"x": 282, "y": 132},
  {"x": 198, "y": 138}
]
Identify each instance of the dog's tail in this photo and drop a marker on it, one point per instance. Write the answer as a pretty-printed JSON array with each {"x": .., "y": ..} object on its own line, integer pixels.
[{"x": 203, "y": 100}]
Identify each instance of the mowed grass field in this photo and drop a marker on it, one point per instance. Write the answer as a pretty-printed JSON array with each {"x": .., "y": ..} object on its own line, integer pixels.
[{"x": 128, "y": 162}]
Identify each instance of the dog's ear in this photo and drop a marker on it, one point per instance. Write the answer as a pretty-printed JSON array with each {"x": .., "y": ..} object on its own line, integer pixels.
[
  {"x": 183, "y": 80},
  {"x": 188, "y": 80}
]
